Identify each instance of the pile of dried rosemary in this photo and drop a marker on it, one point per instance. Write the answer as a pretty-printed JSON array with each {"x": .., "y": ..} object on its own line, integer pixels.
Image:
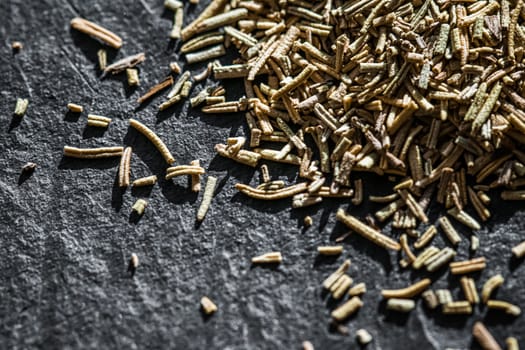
[
  {"x": 429, "y": 92},
  {"x": 425, "y": 92}
]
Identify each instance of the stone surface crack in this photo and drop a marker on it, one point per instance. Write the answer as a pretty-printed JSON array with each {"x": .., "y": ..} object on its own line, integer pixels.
[{"x": 72, "y": 65}]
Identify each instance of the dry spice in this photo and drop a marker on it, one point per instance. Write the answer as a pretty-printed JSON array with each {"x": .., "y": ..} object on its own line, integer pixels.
[
  {"x": 308, "y": 345},
  {"x": 340, "y": 286},
  {"x": 509, "y": 308},
  {"x": 461, "y": 307},
  {"x": 98, "y": 121},
  {"x": 102, "y": 56},
  {"x": 145, "y": 181},
  {"x": 367, "y": 231},
  {"x": 17, "y": 45},
  {"x": 268, "y": 258},
  {"x": 358, "y": 289},
  {"x": 124, "y": 168},
  {"x": 74, "y": 108},
  {"x": 157, "y": 142},
  {"x": 133, "y": 76},
  {"x": 512, "y": 343},
  {"x": 308, "y": 221},
  {"x": 467, "y": 266},
  {"x": 29, "y": 167},
  {"x": 208, "y": 306},
  {"x": 96, "y": 31},
  {"x": 430, "y": 299},
  {"x": 21, "y": 107},
  {"x": 330, "y": 280},
  {"x": 469, "y": 289},
  {"x": 330, "y": 250},
  {"x": 195, "y": 178},
  {"x": 363, "y": 337},
  {"x": 93, "y": 153},
  {"x": 179, "y": 170},
  {"x": 400, "y": 305},
  {"x": 133, "y": 263},
  {"x": 440, "y": 259},
  {"x": 207, "y": 197},
  {"x": 408, "y": 292},
  {"x": 155, "y": 89},
  {"x": 125, "y": 63},
  {"x": 347, "y": 309},
  {"x": 519, "y": 250},
  {"x": 139, "y": 206},
  {"x": 483, "y": 337},
  {"x": 490, "y": 285}
]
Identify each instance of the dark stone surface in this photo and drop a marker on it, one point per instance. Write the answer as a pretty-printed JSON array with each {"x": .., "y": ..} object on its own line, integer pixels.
[{"x": 66, "y": 234}]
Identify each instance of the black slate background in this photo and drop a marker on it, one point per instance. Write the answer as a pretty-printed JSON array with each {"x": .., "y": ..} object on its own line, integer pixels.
[{"x": 66, "y": 234}]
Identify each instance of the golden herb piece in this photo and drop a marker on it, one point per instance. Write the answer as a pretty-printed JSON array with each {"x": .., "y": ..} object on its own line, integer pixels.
[
  {"x": 98, "y": 121},
  {"x": 400, "y": 305},
  {"x": 93, "y": 153},
  {"x": 155, "y": 89},
  {"x": 157, "y": 142},
  {"x": 133, "y": 77},
  {"x": 17, "y": 45},
  {"x": 408, "y": 292},
  {"x": 29, "y": 167},
  {"x": 207, "y": 197},
  {"x": 268, "y": 258},
  {"x": 139, "y": 206},
  {"x": 145, "y": 181},
  {"x": 74, "y": 108},
  {"x": 133, "y": 263},
  {"x": 363, "y": 337},
  {"x": 125, "y": 63},
  {"x": 330, "y": 280},
  {"x": 484, "y": 338},
  {"x": 21, "y": 107},
  {"x": 208, "y": 306},
  {"x": 347, "y": 309},
  {"x": 490, "y": 285},
  {"x": 367, "y": 231},
  {"x": 96, "y": 31},
  {"x": 330, "y": 250},
  {"x": 124, "y": 168}
]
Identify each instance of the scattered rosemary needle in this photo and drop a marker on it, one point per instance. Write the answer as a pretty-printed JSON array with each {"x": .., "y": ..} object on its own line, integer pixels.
[
  {"x": 93, "y": 153},
  {"x": 102, "y": 59},
  {"x": 17, "y": 46},
  {"x": 308, "y": 345},
  {"x": 330, "y": 250},
  {"x": 133, "y": 76},
  {"x": 363, "y": 337},
  {"x": 96, "y": 31},
  {"x": 484, "y": 337},
  {"x": 123, "y": 64},
  {"x": 268, "y": 258},
  {"x": 400, "y": 305},
  {"x": 207, "y": 196},
  {"x": 74, "y": 108},
  {"x": 145, "y": 181},
  {"x": 29, "y": 167},
  {"x": 308, "y": 221},
  {"x": 133, "y": 264},
  {"x": 21, "y": 107},
  {"x": 208, "y": 306},
  {"x": 157, "y": 142},
  {"x": 139, "y": 206}
]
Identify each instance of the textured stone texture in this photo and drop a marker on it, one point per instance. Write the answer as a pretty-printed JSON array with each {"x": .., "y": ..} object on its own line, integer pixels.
[{"x": 66, "y": 236}]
